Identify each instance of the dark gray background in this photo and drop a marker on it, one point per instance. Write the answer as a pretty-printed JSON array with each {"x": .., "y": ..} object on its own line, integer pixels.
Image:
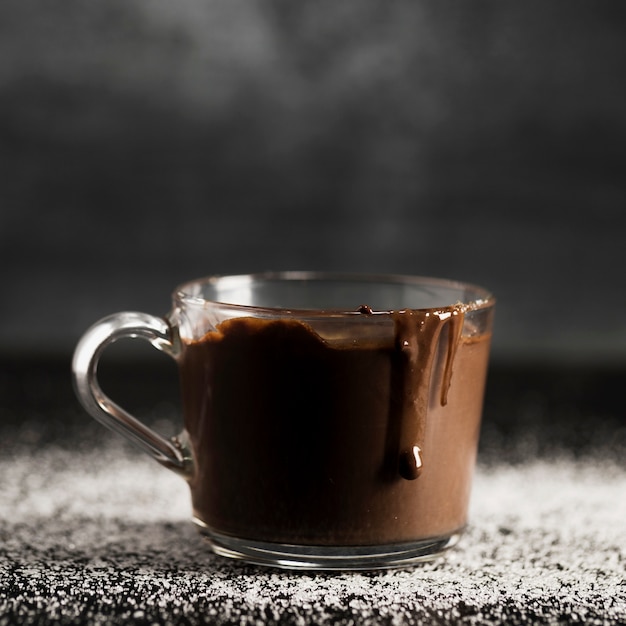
[{"x": 146, "y": 143}]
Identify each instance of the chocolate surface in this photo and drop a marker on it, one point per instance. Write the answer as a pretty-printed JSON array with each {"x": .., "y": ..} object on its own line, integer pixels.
[{"x": 301, "y": 440}]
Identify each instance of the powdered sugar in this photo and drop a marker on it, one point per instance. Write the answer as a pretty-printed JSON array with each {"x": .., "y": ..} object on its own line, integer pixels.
[{"x": 104, "y": 536}]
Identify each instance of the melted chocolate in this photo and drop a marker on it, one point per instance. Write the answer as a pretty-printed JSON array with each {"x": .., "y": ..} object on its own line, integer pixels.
[
  {"x": 417, "y": 338},
  {"x": 300, "y": 440}
]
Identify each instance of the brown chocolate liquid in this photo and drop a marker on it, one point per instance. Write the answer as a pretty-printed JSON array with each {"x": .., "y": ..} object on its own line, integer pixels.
[{"x": 300, "y": 441}]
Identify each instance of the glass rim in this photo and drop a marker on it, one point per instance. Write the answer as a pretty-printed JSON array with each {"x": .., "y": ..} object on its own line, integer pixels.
[{"x": 483, "y": 298}]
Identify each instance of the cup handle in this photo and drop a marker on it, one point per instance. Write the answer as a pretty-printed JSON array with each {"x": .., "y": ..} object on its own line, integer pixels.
[{"x": 173, "y": 454}]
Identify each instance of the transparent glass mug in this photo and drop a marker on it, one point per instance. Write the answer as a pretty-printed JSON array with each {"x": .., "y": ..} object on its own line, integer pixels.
[{"x": 330, "y": 421}]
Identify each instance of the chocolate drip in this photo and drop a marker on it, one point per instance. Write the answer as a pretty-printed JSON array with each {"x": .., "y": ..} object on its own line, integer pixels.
[
  {"x": 455, "y": 329},
  {"x": 417, "y": 340}
]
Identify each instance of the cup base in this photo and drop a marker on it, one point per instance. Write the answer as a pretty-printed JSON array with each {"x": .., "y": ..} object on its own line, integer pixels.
[{"x": 304, "y": 557}]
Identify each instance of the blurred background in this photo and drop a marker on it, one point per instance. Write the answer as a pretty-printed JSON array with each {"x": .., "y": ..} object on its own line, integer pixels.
[{"x": 146, "y": 143}]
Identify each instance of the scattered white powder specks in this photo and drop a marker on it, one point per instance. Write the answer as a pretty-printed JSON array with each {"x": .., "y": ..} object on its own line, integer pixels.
[{"x": 103, "y": 536}]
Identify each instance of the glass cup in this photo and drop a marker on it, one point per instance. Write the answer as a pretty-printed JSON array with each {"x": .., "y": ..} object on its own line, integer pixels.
[{"x": 330, "y": 421}]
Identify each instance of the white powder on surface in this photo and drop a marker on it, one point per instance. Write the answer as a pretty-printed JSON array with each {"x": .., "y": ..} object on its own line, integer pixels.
[{"x": 103, "y": 536}]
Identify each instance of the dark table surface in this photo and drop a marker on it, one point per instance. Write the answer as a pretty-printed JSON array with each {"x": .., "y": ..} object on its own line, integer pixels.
[{"x": 93, "y": 532}]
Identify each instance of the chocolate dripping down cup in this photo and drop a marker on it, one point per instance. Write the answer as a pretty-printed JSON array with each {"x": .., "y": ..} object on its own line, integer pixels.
[{"x": 330, "y": 421}]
